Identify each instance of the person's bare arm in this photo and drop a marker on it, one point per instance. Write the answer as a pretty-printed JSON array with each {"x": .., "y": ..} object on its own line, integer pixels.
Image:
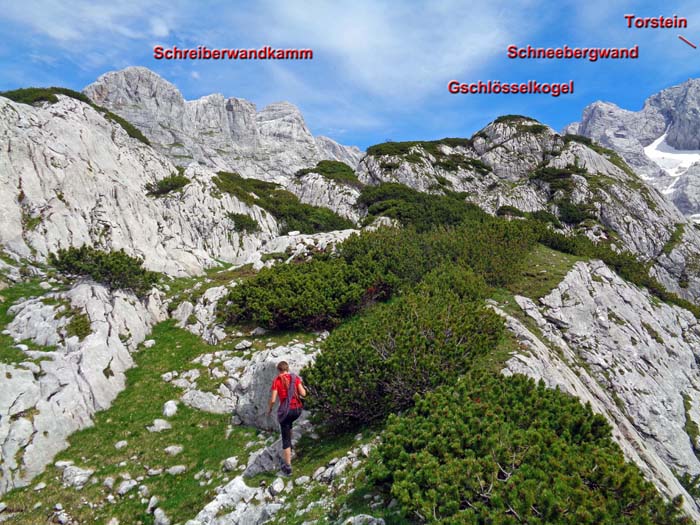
[
  {"x": 300, "y": 389},
  {"x": 273, "y": 398}
]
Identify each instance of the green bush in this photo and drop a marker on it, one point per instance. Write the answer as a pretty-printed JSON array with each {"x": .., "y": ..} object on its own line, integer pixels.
[
  {"x": 421, "y": 210},
  {"x": 403, "y": 148},
  {"x": 313, "y": 295},
  {"x": 168, "y": 184},
  {"x": 675, "y": 239},
  {"x": 243, "y": 223},
  {"x": 571, "y": 213},
  {"x": 290, "y": 213},
  {"x": 506, "y": 450},
  {"x": 372, "y": 267},
  {"x": 79, "y": 325},
  {"x": 556, "y": 178},
  {"x": 335, "y": 171},
  {"x": 545, "y": 217},
  {"x": 113, "y": 269},
  {"x": 510, "y": 211},
  {"x": 375, "y": 364},
  {"x": 33, "y": 95},
  {"x": 505, "y": 119},
  {"x": 449, "y": 162}
]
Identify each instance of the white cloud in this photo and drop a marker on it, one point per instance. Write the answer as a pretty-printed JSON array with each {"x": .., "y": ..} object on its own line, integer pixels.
[
  {"x": 73, "y": 21},
  {"x": 159, "y": 28},
  {"x": 195, "y": 75},
  {"x": 397, "y": 49}
]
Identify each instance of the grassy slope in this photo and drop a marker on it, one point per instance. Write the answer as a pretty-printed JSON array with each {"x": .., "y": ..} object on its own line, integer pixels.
[{"x": 203, "y": 436}]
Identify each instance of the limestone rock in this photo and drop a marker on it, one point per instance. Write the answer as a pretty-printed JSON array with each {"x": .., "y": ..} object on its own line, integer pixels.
[
  {"x": 159, "y": 425},
  {"x": 363, "y": 519},
  {"x": 76, "y": 477},
  {"x": 84, "y": 180},
  {"x": 126, "y": 486},
  {"x": 230, "y": 464},
  {"x": 170, "y": 408},
  {"x": 160, "y": 518},
  {"x": 84, "y": 375}
]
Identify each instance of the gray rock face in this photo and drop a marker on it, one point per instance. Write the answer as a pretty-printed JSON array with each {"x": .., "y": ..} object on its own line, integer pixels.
[
  {"x": 673, "y": 113},
  {"x": 42, "y": 403},
  {"x": 316, "y": 190},
  {"x": 84, "y": 181},
  {"x": 246, "y": 389},
  {"x": 223, "y": 134},
  {"x": 641, "y": 366}
]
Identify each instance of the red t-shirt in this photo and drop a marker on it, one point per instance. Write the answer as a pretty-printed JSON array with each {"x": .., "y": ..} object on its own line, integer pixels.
[{"x": 281, "y": 384}]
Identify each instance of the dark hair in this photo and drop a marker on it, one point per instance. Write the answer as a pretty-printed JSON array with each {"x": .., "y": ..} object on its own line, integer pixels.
[{"x": 283, "y": 366}]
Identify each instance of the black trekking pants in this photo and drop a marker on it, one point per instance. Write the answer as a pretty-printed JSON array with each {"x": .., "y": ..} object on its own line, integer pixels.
[{"x": 286, "y": 426}]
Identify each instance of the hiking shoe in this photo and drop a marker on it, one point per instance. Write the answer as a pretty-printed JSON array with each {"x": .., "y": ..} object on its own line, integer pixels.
[{"x": 286, "y": 469}]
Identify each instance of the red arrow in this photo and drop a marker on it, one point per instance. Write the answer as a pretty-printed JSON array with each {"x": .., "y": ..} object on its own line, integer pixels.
[{"x": 688, "y": 42}]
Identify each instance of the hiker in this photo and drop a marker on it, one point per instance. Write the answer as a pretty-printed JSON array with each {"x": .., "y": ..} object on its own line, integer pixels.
[{"x": 289, "y": 389}]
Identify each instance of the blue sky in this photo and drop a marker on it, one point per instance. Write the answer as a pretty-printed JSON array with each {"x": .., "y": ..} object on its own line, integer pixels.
[{"x": 380, "y": 68}]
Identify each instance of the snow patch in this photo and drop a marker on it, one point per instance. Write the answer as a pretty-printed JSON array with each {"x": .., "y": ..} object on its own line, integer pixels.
[{"x": 673, "y": 161}]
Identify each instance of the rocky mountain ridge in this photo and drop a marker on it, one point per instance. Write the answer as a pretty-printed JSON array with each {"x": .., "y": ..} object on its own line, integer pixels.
[
  {"x": 660, "y": 141},
  {"x": 216, "y": 132}
]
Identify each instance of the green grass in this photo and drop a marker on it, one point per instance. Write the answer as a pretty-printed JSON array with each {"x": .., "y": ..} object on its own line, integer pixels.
[
  {"x": 9, "y": 296},
  {"x": 691, "y": 427},
  {"x": 201, "y": 434},
  {"x": 675, "y": 239},
  {"x": 544, "y": 270},
  {"x": 182, "y": 288},
  {"x": 79, "y": 324}
]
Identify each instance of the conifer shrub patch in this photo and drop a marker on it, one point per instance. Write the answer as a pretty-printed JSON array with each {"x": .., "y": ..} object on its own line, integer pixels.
[
  {"x": 243, "y": 223},
  {"x": 421, "y": 210},
  {"x": 372, "y": 267},
  {"x": 113, "y": 269},
  {"x": 503, "y": 450},
  {"x": 315, "y": 295},
  {"x": 167, "y": 185},
  {"x": 284, "y": 206},
  {"x": 334, "y": 170},
  {"x": 374, "y": 365},
  {"x": 509, "y": 211}
]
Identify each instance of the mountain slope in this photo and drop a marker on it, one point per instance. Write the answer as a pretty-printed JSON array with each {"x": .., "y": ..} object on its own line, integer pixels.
[{"x": 519, "y": 163}]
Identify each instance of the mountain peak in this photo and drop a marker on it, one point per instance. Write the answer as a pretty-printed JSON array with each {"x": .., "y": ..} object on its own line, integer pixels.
[{"x": 219, "y": 132}]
